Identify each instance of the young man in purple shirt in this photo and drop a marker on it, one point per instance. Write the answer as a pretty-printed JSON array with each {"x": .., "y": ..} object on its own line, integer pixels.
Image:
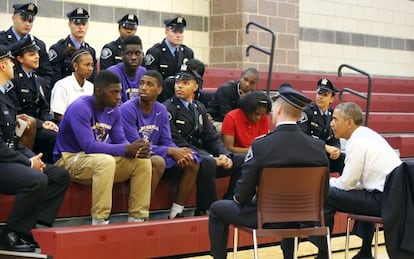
[
  {"x": 145, "y": 117},
  {"x": 130, "y": 70},
  {"x": 92, "y": 146}
]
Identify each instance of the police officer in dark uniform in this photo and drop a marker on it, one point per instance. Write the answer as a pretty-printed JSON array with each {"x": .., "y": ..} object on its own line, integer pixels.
[
  {"x": 111, "y": 52},
  {"x": 28, "y": 98},
  {"x": 38, "y": 195},
  {"x": 167, "y": 56},
  {"x": 286, "y": 146},
  {"x": 58, "y": 57},
  {"x": 316, "y": 121},
  {"x": 23, "y": 17},
  {"x": 190, "y": 127}
]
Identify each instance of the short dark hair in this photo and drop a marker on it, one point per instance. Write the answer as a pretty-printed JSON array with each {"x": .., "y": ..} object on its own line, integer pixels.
[
  {"x": 106, "y": 78},
  {"x": 196, "y": 65},
  {"x": 156, "y": 75},
  {"x": 131, "y": 40},
  {"x": 253, "y": 100},
  {"x": 251, "y": 70}
]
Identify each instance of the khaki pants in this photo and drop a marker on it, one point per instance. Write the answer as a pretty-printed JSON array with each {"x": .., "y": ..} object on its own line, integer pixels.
[{"x": 102, "y": 170}]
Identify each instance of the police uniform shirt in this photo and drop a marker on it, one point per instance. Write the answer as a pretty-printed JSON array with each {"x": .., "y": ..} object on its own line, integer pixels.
[
  {"x": 313, "y": 124},
  {"x": 45, "y": 69},
  {"x": 159, "y": 58},
  {"x": 28, "y": 95},
  {"x": 62, "y": 64},
  {"x": 193, "y": 129},
  {"x": 111, "y": 54}
]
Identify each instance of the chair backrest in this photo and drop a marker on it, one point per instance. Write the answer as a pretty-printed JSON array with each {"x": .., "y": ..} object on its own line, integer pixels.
[{"x": 291, "y": 195}]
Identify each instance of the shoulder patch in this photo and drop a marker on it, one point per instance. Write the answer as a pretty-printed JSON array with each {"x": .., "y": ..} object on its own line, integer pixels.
[
  {"x": 169, "y": 116},
  {"x": 52, "y": 54},
  {"x": 149, "y": 59},
  {"x": 106, "y": 53},
  {"x": 249, "y": 155},
  {"x": 304, "y": 118}
]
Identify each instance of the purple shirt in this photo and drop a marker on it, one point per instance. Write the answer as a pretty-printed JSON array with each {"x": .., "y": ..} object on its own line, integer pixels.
[
  {"x": 154, "y": 125},
  {"x": 130, "y": 86},
  {"x": 84, "y": 128}
]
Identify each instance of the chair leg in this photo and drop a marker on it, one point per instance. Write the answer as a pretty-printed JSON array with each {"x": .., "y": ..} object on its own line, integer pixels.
[
  {"x": 235, "y": 242},
  {"x": 348, "y": 224},
  {"x": 328, "y": 242},
  {"x": 376, "y": 241},
  {"x": 295, "y": 248},
  {"x": 256, "y": 256}
]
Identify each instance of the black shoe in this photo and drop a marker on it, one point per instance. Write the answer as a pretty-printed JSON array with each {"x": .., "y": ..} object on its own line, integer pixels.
[
  {"x": 13, "y": 242},
  {"x": 29, "y": 239},
  {"x": 361, "y": 256}
]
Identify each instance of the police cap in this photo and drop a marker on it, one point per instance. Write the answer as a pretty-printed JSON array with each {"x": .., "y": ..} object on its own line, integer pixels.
[
  {"x": 326, "y": 86},
  {"x": 26, "y": 44},
  {"x": 5, "y": 51},
  {"x": 26, "y": 11},
  {"x": 129, "y": 21},
  {"x": 176, "y": 23},
  {"x": 292, "y": 96},
  {"x": 186, "y": 73},
  {"x": 78, "y": 16}
]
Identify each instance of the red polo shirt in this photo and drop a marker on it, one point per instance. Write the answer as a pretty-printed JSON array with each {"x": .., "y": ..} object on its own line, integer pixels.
[{"x": 236, "y": 124}]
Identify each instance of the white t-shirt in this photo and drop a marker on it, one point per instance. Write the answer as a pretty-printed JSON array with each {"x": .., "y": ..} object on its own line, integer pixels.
[
  {"x": 369, "y": 159},
  {"x": 66, "y": 91}
]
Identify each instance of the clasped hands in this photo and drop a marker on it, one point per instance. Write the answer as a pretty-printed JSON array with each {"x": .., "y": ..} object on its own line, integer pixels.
[{"x": 140, "y": 148}]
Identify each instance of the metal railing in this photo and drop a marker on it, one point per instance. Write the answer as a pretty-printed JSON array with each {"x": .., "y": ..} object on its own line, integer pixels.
[
  {"x": 367, "y": 97},
  {"x": 270, "y": 53}
]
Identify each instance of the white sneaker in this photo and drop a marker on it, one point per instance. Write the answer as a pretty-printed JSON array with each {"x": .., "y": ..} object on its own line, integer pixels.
[
  {"x": 100, "y": 221},
  {"x": 134, "y": 219}
]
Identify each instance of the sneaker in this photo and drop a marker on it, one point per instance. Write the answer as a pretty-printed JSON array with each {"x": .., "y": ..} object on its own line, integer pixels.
[
  {"x": 134, "y": 219},
  {"x": 198, "y": 212},
  {"x": 100, "y": 221}
]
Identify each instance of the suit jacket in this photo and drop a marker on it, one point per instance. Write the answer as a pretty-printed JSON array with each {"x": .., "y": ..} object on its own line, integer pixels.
[
  {"x": 11, "y": 150},
  {"x": 397, "y": 212},
  {"x": 286, "y": 146},
  {"x": 159, "y": 58}
]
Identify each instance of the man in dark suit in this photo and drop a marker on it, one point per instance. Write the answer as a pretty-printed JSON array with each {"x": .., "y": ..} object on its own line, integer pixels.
[
  {"x": 286, "y": 146},
  {"x": 39, "y": 188},
  {"x": 167, "y": 56},
  {"x": 23, "y": 18}
]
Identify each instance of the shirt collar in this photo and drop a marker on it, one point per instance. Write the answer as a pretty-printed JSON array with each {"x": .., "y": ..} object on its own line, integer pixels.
[
  {"x": 170, "y": 48},
  {"x": 184, "y": 103},
  {"x": 18, "y": 37},
  {"x": 76, "y": 44}
]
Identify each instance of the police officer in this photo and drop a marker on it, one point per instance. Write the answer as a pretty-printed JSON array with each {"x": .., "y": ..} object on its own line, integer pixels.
[
  {"x": 190, "y": 127},
  {"x": 28, "y": 97},
  {"x": 60, "y": 61},
  {"x": 167, "y": 56},
  {"x": 316, "y": 121},
  {"x": 111, "y": 52},
  {"x": 38, "y": 195},
  {"x": 23, "y": 17}
]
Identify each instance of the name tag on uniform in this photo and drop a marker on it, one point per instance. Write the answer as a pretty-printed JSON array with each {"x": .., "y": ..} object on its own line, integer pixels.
[
  {"x": 118, "y": 58},
  {"x": 314, "y": 124},
  {"x": 24, "y": 90},
  {"x": 180, "y": 122},
  {"x": 164, "y": 66}
]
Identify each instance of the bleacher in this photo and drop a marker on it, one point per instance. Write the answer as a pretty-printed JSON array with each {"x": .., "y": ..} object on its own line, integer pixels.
[{"x": 392, "y": 114}]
